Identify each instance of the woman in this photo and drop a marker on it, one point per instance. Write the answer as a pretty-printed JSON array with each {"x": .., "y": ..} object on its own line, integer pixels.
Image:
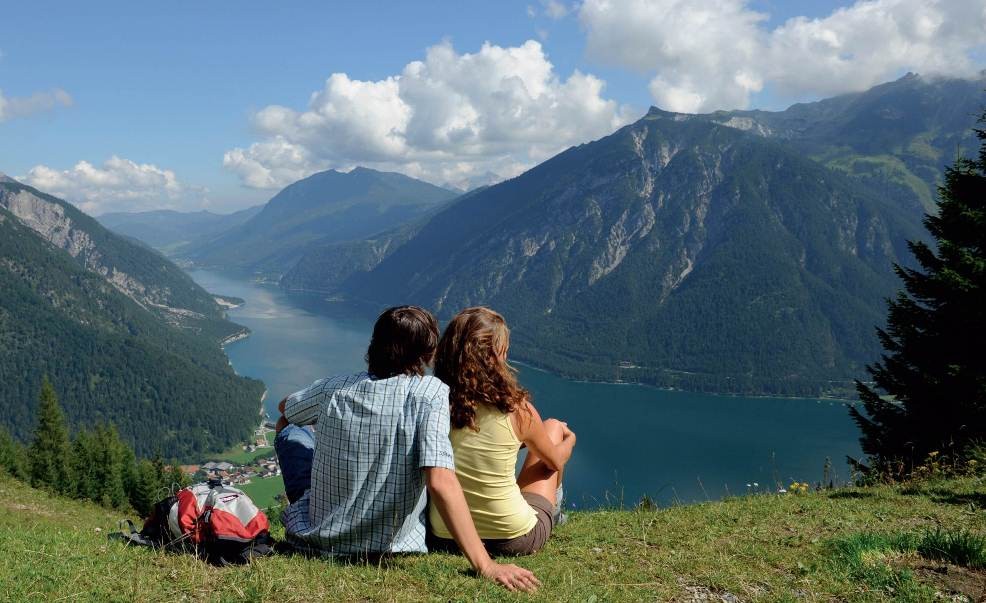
[{"x": 492, "y": 417}]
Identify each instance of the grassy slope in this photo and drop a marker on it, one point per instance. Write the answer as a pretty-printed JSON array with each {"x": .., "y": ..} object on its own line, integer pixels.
[
  {"x": 760, "y": 547},
  {"x": 263, "y": 490}
]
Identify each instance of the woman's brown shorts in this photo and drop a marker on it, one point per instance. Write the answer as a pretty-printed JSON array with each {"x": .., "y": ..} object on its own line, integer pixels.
[{"x": 525, "y": 544}]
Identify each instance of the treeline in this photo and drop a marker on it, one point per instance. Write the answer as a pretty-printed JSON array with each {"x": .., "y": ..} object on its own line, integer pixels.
[{"x": 95, "y": 465}]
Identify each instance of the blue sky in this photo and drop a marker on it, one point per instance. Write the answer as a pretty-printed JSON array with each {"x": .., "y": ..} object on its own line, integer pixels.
[{"x": 169, "y": 89}]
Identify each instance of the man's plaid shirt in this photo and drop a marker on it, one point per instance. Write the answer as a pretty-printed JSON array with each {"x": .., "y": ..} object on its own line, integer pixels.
[{"x": 373, "y": 438}]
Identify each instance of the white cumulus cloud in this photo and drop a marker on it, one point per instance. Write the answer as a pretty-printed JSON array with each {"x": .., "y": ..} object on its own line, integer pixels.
[
  {"x": 118, "y": 185},
  {"x": 22, "y": 106},
  {"x": 715, "y": 54},
  {"x": 448, "y": 118}
]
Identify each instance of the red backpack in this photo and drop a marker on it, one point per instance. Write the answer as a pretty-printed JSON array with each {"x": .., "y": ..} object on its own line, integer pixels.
[{"x": 212, "y": 520}]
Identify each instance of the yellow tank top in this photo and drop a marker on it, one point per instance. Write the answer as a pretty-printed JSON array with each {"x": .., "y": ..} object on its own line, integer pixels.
[{"x": 485, "y": 463}]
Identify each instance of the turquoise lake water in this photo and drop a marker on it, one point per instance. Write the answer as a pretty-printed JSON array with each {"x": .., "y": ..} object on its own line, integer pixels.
[{"x": 632, "y": 440}]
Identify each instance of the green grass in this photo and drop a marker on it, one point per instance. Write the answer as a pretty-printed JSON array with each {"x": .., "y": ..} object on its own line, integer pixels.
[
  {"x": 885, "y": 166},
  {"x": 855, "y": 545},
  {"x": 238, "y": 456},
  {"x": 959, "y": 547},
  {"x": 263, "y": 490},
  {"x": 871, "y": 560}
]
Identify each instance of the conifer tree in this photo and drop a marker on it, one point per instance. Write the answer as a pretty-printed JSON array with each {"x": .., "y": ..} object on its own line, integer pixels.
[
  {"x": 111, "y": 459},
  {"x": 149, "y": 486},
  {"x": 11, "y": 455},
  {"x": 176, "y": 478},
  {"x": 933, "y": 373},
  {"x": 48, "y": 455},
  {"x": 83, "y": 466}
]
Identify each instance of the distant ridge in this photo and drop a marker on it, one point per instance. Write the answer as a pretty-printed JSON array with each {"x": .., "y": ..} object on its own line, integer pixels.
[
  {"x": 6, "y": 178},
  {"x": 899, "y": 135},
  {"x": 172, "y": 231},
  {"x": 327, "y": 207}
]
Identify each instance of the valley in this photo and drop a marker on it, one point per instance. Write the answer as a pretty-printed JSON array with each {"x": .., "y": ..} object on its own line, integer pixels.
[{"x": 634, "y": 441}]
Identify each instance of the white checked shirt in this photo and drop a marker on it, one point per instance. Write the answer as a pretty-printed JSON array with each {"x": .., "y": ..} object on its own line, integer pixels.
[{"x": 372, "y": 440}]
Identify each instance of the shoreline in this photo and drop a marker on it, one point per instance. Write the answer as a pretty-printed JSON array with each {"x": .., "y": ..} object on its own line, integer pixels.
[
  {"x": 847, "y": 401},
  {"x": 238, "y": 336},
  {"x": 526, "y": 364}
]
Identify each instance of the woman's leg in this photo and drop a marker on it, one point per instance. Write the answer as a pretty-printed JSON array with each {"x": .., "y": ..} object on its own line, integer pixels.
[{"x": 535, "y": 476}]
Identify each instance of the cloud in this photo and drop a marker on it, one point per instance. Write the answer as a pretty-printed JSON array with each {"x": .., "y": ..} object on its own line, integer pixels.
[
  {"x": 555, "y": 9},
  {"x": 716, "y": 54},
  {"x": 448, "y": 118},
  {"x": 118, "y": 185},
  {"x": 23, "y": 106}
]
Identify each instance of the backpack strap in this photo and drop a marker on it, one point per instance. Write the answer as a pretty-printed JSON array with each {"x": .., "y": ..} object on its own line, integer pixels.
[{"x": 129, "y": 535}]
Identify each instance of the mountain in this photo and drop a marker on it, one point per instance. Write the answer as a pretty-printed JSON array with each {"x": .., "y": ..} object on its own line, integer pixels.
[
  {"x": 171, "y": 231},
  {"x": 324, "y": 267},
  {"x": 325, "y": 208},
  {"x": 744, "y": 251},
  {"x": 124, "y": 335},
  {"x": 676, "y": 251},
  {"x": 899, "y": 135}
]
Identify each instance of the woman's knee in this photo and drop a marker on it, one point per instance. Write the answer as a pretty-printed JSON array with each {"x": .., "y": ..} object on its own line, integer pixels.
[{"x": 555, "y": 429}]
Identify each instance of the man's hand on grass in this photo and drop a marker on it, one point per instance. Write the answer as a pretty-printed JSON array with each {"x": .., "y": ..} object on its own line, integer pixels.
[{"x": 512, "y": 577}]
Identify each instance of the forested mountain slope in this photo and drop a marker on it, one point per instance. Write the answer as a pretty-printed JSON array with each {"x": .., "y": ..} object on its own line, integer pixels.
[
  {"x": 323, "y": 209},
  {"x": 676, "y": 251},
  {"x": 325, "y": 267},
  {"x": 141, "y": 274},
  {"x": 123, "y": 334}
]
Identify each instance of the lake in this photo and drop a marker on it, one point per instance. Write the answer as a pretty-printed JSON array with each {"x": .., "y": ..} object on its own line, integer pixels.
[{"x": 632, "y": 440}]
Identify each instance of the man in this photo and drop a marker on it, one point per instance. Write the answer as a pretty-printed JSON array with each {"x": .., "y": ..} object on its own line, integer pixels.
[{"x": 381, "y": 445}]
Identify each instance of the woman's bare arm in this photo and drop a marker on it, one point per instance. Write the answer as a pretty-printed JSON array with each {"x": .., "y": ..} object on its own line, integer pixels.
[{"x": 531, "y": 432}]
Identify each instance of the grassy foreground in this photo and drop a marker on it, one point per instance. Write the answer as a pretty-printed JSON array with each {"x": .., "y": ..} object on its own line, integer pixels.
[{"x": 853, "y": 544}]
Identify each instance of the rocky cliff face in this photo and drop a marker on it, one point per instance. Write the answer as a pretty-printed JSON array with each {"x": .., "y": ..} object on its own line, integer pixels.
[
  {"x": 140, "y": 274},
  {"x": 97, "y": 315},
  {"x": 700, "y": 254}
]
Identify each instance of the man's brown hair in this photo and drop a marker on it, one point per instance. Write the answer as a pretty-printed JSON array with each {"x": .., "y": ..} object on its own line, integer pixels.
[{"x": 403, "y": 342}]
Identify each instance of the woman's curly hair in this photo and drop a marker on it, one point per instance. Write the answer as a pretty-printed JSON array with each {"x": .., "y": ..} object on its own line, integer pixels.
[{"x": 472, "y": 360}]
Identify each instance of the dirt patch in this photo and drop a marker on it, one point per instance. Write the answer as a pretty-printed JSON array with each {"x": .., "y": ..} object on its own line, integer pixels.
[
  {"x": 956, "y": 583},
  {"x": 702, "y": 594}
]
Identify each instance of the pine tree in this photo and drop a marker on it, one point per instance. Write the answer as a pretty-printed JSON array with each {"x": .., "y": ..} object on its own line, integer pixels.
[
  {"x": 933, "y": 373},
  {"x": 176, "y": 478},
  {"x": 83, "y": 466},
  {"x": 50, "y": 450},
  {"x": 12, "y": 454},
  {"x": 149, "y": 487},
  {"x": 112, "y": 456}
]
